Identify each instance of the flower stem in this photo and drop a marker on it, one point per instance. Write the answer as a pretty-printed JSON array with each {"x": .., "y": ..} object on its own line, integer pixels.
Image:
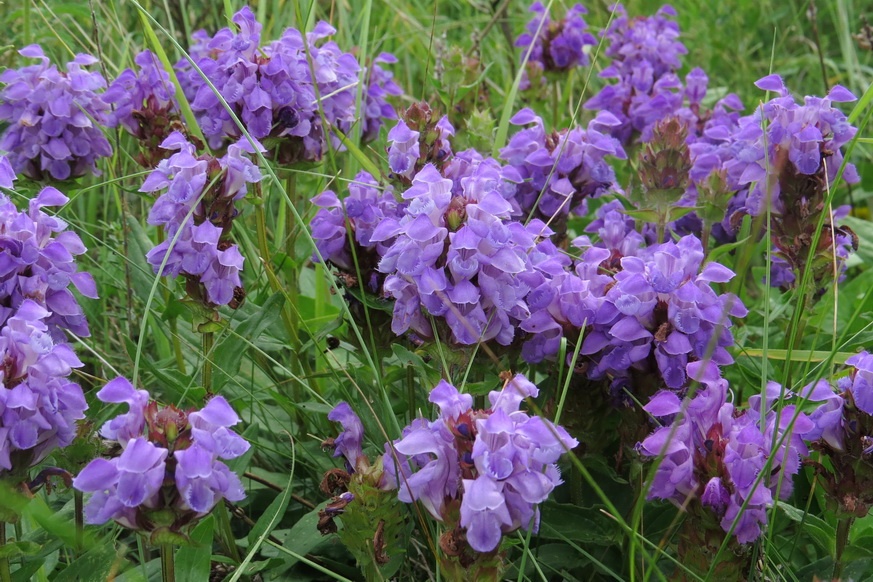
[
  {"x": 79, "y": 511},
  {"x": 844, "y": 526},
  {"x": 208, "y": 340},
  {"x": 5, "y": 572},
  {"x": 168, "y": 563}
]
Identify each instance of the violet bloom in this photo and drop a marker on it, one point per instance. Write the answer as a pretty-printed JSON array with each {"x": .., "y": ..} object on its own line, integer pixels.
[
  {"x": 711, "y": 435},
  {"x": 348, "y": 443},
  {"x": 53, "y": 117},
  {"x": 171, "y": 460},
  {"x": 38, "y": 262},
  {"x": 554, "y": 46},
  {"x": 409, "y": 149},
  {"x": 366, "y": 206},
  {"x": 275, "y": 92},
  {"x": 39, "y": 405},
  {"x": 377, "y": 109},
  {"x": 560, "y": 172},
  {"x": 646, "y": 55},
  {"x": 500, "y": 462},
  {"x": 196, "y": 245},
  {"x": 132, "y": 93},
  {"x": 7, "y": 174},
  {"x": 662, "y": 302},
  {"x": 458, "y": 257}
]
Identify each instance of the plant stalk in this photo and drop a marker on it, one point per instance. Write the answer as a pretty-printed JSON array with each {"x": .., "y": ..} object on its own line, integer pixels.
[
  {"x": 844, "y": 526},
  {"x": 79, "y": 511},
  {"x": 168, "y": 563},
  {"x": 208, "y": 341},
  {"x": 5, "y": 572}
]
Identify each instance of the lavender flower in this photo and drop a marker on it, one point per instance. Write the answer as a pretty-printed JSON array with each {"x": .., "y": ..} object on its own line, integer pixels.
[
  {"x": 366, "y": 206},
  {"x": 660, "y": 303},
  {"x": 348, "y": 443},
  {"x": 646, "y": 54},
  {"x": 39, "y": 406},
  {"x": 53, "y": 118},
  {"x": 560, "y": 171},
  {"x": 499, "y": 462},
  {"x": 38, "y": 263},
  {"x": 716, "y": 454},
  {"x": 788, "y": 155},
  {"x": 457, "y": 256},
  {"x": 555, "y": 47},
  {"x": 417, "y": 140},
  {"x": 197, "y": 209},
  {"x": 377, "y": 109},
  {"x": 275, "y": 93},
  {"x": 170, "y": 462}
]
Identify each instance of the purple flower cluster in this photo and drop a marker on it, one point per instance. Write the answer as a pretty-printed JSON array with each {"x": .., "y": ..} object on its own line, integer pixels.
[
  {"x": 713, "y": 454},
  {"x": 366, "y": 206},
  {"x": 554, "y": 46},
  {"x": 409, "y": 150},
  {"x": 282, "y": 92},
  {"x": 559, "y": 171},
  {"x": 53, "y": 117},
  {"x": 132, "y": 93},
  {"x": 39, "y": 406},
  {"x": 500, "y": 462},
  {"x": 783, "y": 133},
  {"x": 458, "y": 256},
  {"x": 170, "y": 460},
  {"x": 196, "y": 210},
  {"x": 657, "y": 304},
  {"x": 646, "y": 55},
  {"x": 38, "y": 262}
]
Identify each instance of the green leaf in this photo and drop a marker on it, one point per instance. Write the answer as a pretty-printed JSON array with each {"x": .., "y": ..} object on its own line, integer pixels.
[
  {"x": 822, "y": 533},
  {"x": 16, "y": 549},
  {"x": 229, "y": 352},
  {"x": 96, "y": 564},
  {"x": 194, "y": 562},
  {"x": 581, "y": 524}
]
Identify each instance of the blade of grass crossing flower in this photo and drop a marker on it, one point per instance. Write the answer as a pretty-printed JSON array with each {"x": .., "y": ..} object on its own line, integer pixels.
[{"x": 187, "y": 113}]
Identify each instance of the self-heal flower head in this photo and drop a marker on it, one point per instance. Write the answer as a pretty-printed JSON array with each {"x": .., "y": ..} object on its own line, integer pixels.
[
  {"x": 132, "y": 92},
  {"x": 377, "y": 109},
  {"x": 39, "y": 405},
  {"x": 646, "y": 55},
  {"x": 53, "y": 117},
  {"x": 458, "y": 257},
  {"x": 418, "y": 139},
  {"x": 661, "y": 302},
  {"x": 718, "y": 455},
  {"x": 38, "y": 263},
  {"x": 283, "y": 92},
  {"x": 788, "y": 155},
  {"x": 196, "y": 209},
  {"x": 366, "y": 206},
  {"x": 560, "y": 171},
  {"x": 554, "y": 46},
  {"x": 171, "y": 460},
  {"x": 499, "y": 462}
]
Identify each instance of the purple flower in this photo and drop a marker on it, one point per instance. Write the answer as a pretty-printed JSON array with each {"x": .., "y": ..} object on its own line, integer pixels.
[
  {"x": 660, "y": 301},
  {"x": 560, "y": 172},
  {"x": 196, "y": 209},
  {"x": 170, "y": 461},
  {"x": 148, "y": 89},
  {"x": 646, "y": 55},
  {"x": 499, "y": 462},
  {"x": 711, "y": 435},
  {"x": 367, "y": 207},
  {"x": 53, "y": 117},
  {"x": 39, "y": 406},
  {"x": 555, "y": 47},
  {"x": 38, "y": 263},
  {"x": 277, "y": 95},
  {"x": 348, "y": 443}
]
